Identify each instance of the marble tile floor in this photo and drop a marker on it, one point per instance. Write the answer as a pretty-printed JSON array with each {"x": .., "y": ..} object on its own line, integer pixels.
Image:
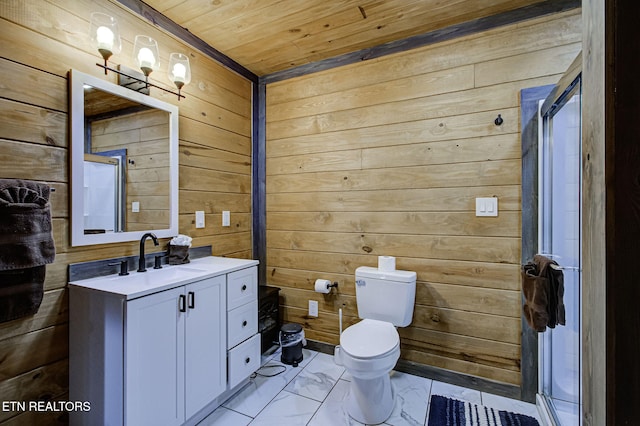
[{"x": 313, "y": 393}]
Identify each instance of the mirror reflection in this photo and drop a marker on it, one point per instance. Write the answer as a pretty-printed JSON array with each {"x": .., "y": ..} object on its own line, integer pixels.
[{"x": 126, "y": 164}]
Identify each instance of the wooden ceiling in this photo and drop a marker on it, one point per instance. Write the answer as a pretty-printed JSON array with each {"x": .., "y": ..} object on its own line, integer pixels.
[{"x": 266, "y": 36}]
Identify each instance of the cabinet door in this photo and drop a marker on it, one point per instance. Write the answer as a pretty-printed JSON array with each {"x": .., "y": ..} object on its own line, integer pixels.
[
  {"x": 205, "y": 368},
  {"x": 154, "y": 359}
]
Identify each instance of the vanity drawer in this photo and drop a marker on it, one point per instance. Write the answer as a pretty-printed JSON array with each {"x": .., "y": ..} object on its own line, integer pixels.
[
  {"x": 242, "y": 323},
  {"x": 243, "y": 360},
  {"x": 242, "y": 287}
]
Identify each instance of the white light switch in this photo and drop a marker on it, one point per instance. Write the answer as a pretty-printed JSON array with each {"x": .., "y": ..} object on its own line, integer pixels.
[
  {"x": 487, "y": 206},
  {"x": 199, "y": 219},
  {"x": 135, "y": 206},
  {"x": 226, "y": 218}
]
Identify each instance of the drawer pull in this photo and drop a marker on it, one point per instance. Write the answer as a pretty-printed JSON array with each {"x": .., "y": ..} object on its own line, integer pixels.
[
  {"x": 192, "y": 300},
  {"x": 244, "y": 323},
  {"x": 247, "y": 361},
  {"x": 244, "y": 287},
  {"x": 182, "y": 303}
]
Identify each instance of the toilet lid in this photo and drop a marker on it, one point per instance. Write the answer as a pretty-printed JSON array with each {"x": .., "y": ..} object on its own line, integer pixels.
[{"x": 369, "y": 338}]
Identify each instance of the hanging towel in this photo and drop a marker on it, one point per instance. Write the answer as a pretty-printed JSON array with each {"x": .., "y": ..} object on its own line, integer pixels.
[
  {"x": 543, "y": 288},
  {"x": 552, "y": 272},
  {"x": 536, "y": 298},
  {"x": 21, "y": 292},
  {"x": 26, "y": 245}
]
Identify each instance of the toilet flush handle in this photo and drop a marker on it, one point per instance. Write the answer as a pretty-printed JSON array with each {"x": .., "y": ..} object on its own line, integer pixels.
[{"x": 361, "y": 282}]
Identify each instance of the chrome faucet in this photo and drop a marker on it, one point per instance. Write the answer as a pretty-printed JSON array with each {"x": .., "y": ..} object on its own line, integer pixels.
[{"x": 142, "y": 263}]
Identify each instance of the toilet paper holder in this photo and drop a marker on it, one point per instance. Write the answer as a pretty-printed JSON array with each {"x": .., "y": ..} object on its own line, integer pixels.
[
  {"x": 324, "y": 286},
  {"x": 333, "y": 284}
]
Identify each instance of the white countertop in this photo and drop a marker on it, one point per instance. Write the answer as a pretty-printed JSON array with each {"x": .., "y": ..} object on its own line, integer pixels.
[{"x": 138, "y": 284}]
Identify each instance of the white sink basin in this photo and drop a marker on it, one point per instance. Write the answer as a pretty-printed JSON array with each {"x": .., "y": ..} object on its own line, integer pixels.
[
  {"x": 176, "y": 271},
  {"x": 137, "y": 282},
  {"x": 166, "y": 273}
]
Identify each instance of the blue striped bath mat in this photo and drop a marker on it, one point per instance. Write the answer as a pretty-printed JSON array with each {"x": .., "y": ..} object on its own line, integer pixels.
[{"x": 451, "y": 412}]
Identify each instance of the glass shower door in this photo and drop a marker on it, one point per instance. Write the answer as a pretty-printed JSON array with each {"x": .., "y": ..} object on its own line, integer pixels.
[{"x": 560, "y": 234}]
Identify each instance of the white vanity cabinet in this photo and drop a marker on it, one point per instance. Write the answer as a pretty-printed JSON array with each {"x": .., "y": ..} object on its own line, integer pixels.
[
  {"x": 152, "y": 348},
  {"x": 174, "y": 359}
]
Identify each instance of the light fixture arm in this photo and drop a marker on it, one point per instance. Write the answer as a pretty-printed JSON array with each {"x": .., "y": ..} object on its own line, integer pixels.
[
  {"x": 105, "y": 36},
  {"x": 146, "y": 81}
]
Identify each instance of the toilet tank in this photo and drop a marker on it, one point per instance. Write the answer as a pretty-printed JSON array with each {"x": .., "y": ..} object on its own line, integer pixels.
[{"x": 386, "y": 295}]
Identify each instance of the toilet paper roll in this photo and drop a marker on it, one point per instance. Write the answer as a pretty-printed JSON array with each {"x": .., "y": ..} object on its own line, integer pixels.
[
  {"x": 386, "y": 263},
  {"x": 322, "y": 286}
]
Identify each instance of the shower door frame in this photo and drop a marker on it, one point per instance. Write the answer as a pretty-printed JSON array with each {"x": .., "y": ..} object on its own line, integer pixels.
[
  {"x": 530, "y": 106},
  {"x": 548, "y": 110}
]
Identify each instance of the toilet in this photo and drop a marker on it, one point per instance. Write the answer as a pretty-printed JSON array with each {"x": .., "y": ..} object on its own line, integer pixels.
[{"x": 370, "y": 349}]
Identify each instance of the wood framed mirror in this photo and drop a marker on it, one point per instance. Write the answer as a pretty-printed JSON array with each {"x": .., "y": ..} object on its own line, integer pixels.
[{"x": 124, "y": 163}]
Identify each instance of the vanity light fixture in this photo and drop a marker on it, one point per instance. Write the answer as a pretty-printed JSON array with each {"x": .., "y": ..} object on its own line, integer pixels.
[
  {"x": 145, "y": 53},
  {"x": 179, "y": 70},
  {"x": 105, "y": 35}
]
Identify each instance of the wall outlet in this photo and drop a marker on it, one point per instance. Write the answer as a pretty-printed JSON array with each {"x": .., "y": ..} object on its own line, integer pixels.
[
  {"x": 135, "y": 206},
  {"x": 313, "y": 308},
  {"x": 199, "y": 219}
]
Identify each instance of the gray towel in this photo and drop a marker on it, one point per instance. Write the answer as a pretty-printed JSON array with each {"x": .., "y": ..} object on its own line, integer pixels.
[
  {"x": 26, "y": 245},
  {"x": 21, "y": 292}
]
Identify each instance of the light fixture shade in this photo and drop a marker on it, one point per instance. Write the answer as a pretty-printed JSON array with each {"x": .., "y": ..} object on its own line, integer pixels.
[
  {"x": 179, "y": 71},
  {"x": 105, "y": 35},
  {"x": 146, "y": 55}
]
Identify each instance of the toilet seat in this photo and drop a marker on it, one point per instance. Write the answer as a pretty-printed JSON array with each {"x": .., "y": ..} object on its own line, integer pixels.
[{"x": 369, "y": 339}]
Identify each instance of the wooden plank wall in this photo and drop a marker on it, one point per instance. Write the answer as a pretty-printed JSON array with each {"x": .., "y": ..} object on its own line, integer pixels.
[
  {"x": 42, "y": 40},
  {"x": 386, "y": 157}
]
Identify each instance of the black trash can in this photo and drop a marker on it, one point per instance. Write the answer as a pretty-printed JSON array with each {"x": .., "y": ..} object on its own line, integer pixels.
[{"x": 291, "y": 341}]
